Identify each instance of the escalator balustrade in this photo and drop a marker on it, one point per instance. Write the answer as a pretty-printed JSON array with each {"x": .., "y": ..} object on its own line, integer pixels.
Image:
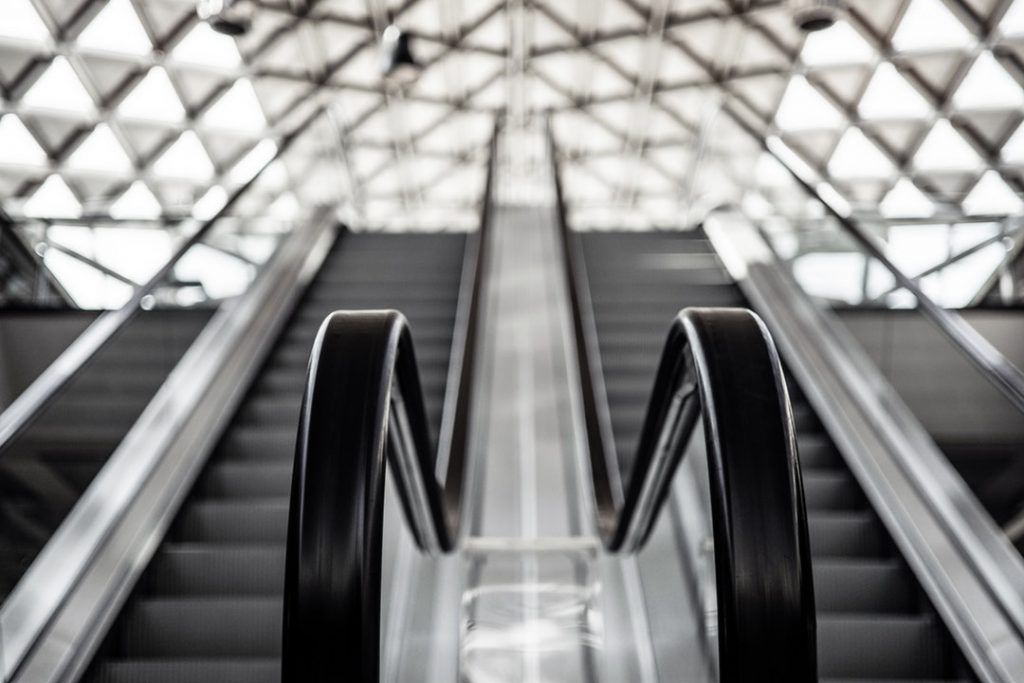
[
  {"x": 874, "y": 623},
  {"x": 209, "y": 607}
]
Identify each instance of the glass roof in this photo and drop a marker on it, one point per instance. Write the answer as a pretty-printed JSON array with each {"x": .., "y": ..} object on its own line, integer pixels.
[{"x": 134, "y": 109}]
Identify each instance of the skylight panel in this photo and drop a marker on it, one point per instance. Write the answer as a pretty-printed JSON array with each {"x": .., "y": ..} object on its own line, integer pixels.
[
  {"x": 916, "y": 247},
  {"x": 138, "y": 202},
  {"x": 905, "y": 200},
  {"x": 804, "y": 108},
  {"x": 153, "y": 99},
  {"x": 86, "y": 285},
  {"x": 988, "y": 86},
  {"x": 756, "y": 206},
  {"x": 186, "y": 159},
  {"x": 77, "y": 237},
  {"x": 276, "y": 175},
  {"x": 1012, "y": 24},
  {"x": 21, "y": 21},
  {"x": 929, "y": 25},
  {"x": 135, "y": 252},
  {"x": 858, "y": 157},
  {"x": 53, "y": 199},
  {"x": 100, "y": 152},
  {"x": 890, "y": 96},
  {"x": 205, "y": 47},
  {"x": 17, "y": 146},
  {"x": 221, "y": 275},
  {"x": 59, "y": 88},
  {"x": 790, "y": 159},
  {"x": 992, "y": 196},
  {"x": 285, "y": 207},
  {"x": 238, "y": 109},
  {"x": 1013, "y": 150},
  {"x": 210, "y": 203},
  {"x": 841, "y": 44},
  {"x": 116, "y": 29},
  {"x": 252, "y": 162},
  {"x": 945, "y": 150},
  {"x": 768, "y": 172}
]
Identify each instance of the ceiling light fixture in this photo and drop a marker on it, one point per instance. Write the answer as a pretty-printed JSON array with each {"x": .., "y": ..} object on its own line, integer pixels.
[
  {"x": 230, "y": 17},
  {"x": 815, "y": 15},
  {"x": 396, "y": 59}
]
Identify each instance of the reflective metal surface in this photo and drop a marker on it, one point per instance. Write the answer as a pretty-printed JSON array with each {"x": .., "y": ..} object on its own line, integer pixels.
[
  {"x": 539, "y": 602},
  {"x": 963, "y": 561},
  {"x": 52, "y": 623}
]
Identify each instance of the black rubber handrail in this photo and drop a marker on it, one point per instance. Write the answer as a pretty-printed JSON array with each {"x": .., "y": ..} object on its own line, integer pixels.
[
  {"x": 363, "y": 402},
  {"x": 720, "y": 364}
]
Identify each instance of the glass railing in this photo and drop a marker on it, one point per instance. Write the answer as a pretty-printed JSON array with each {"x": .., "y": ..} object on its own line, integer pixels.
[
  {"x": 135, "y": 295},
  {"x": 956, "y": 397},
  {"x": 50, "y": 460},
  {"x": 958, "y": 264},
  {"x": 933, "y": 301}
]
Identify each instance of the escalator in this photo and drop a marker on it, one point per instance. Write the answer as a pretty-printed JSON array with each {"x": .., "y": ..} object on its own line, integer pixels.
[
  {"x": 526, "y": 551},
  {"x": 874, "y": 622},
  {"x": 46, "y": 471},
  {"x": 208, "y": 608}
]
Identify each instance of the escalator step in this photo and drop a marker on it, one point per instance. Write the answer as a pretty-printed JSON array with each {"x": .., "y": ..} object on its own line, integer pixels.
[
  {"x": 208, "y": 609},
  {"x": 211, "y": 570},
  {"x": 218, "y": 521},
  {"x": 831, "y": 490},
  {"x": 873, "y": 646},
  {"x": 865, "y": 586},
  {"x": 873, "y": 622},
  {"x": 178, "y": 670},
  {"x": 247, "y": 479},
  {"x": 203, "y": 627},
  {"x": 845, "y": 534},
  {"x": 259, "y": 443}
]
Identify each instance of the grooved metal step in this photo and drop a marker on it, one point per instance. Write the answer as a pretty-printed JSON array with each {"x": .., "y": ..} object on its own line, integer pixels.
[
  {"x": 208, "y": 608},
  {"x": 48, "y": 467},
  {"x": 873, "y": 622}
]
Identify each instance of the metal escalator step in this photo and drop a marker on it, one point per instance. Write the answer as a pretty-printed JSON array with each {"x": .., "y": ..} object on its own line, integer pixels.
[
  {"x": 426, "y": 356},
  {"x": 876, "y": 646},
  {"x": 247, "y": 479},
  {"x": 77, "y": 472},
  {"x": 261, "y": 442},
  {"x": 873, "y": 624},
  {"x": 845, "y": 534},
  {"x": 241, "y": 522},
  {"x": 209, "y": 606},
  {"x": 203, "y": 627},
  {"x": 177, "y": 670},
  {"x": 89, "y": 406},
  {"x": 273, "y": 408},
  {"x": 804, "y": 418},
  {"x": 434, "y": 337},
  {"x": 426, "y": 295},
  {"x": 817, "y": 450},
  {"x": 139, "y": 380},
  {"x": 890, "y": 680},
  {"x": 865, "y": 586},
  {"x": 209, "y": 570},
  {"x": 831, "y": 490},
  {"x": 95, "y": 436}
]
